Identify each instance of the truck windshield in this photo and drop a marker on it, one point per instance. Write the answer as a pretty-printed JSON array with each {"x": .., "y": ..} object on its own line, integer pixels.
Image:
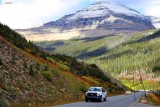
[{"x": 94, "y": 89}]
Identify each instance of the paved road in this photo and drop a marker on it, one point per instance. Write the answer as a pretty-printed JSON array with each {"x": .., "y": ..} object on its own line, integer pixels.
[{"x": 115, "y": 101}]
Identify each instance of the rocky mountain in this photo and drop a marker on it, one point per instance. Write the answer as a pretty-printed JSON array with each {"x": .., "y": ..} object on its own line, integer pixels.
[
  {"x": 29, "y": 75},
  {"x": 98, "y": 19},
  {"x": 104, "y": 15}
]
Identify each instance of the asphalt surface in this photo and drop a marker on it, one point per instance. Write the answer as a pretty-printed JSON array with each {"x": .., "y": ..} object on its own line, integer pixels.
[{"x": 115, "y": 101}]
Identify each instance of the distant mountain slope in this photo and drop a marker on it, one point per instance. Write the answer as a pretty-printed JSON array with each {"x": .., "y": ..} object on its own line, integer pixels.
[
  {"x": 118, "y": 55},
  {"x": 107, "y": 15},
  {"x": 98, "y": 19},
  {"x": 28, "y": 74},
  {"x": 86, "y": 47}
]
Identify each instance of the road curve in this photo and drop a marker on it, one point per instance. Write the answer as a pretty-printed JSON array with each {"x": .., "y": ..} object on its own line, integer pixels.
[{"x": 115, "y": 101}]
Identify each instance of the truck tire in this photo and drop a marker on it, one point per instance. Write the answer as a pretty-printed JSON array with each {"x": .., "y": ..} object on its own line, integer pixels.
[
  {"x": 86, "y": 99},
  {"x": 100, "y": 99},
  {"x": 105, "y": 98}
]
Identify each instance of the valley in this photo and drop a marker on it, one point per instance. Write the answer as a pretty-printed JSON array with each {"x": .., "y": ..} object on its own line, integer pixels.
[{"x": 119, "y": 55}]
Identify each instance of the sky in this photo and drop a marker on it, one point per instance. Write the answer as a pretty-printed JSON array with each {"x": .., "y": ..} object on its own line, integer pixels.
[{"x": 21, "y": 14}]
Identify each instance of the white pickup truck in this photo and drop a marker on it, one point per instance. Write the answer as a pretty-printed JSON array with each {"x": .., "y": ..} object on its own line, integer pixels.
[{"x": 96, "y": 93}]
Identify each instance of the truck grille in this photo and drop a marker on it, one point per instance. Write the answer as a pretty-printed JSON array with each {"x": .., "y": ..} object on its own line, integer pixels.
[{"x": 92, "y": 94}]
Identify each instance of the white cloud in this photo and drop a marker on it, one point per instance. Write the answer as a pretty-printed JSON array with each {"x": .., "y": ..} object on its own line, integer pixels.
[
  {"x": 28, "y": 13},
  {"x": 24, "y": 15},
  {"x": 152, "y": 7}
]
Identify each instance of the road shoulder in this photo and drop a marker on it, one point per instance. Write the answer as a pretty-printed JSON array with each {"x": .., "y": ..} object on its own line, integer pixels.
[{"x": 143, "y": 105}]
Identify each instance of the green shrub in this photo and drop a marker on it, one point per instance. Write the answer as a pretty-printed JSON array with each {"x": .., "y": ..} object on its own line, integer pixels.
[
  {"x": 31, "y": 71},
  {"x": 12, "y": 61},
  {"x": 46, "y": 68},
  {"x": 24, "y": 65},
  {"x": 110, "y": 89},
  {"x": 37, "y": 66},
  {"x": 63, "y": 66},
  {"x": 156, "y": 69},
  {"x": 158, "y": 92},
  {"x": 54, "y": 72},
  {"x": 83, "y": 88},
  {"x": 1, "y": 61},
  {"x": 48, "y": 75},
  {"x": 93, "y": 66}
]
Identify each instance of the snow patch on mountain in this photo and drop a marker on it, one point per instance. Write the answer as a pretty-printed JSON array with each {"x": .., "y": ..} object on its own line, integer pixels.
[
  {"x": 103, "y": 8},
  {"x": 112, "y": 19},
  {"x": 99, "y": 19}
]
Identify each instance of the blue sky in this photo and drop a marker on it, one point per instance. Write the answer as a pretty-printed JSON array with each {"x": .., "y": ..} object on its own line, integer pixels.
[{"x": 30, "y": 13}]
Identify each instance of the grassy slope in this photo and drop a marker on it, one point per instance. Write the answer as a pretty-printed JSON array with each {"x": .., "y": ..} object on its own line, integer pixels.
[
  {"x": 28, "y": 74},
  {"x": 79, "y": 47},
  {"x": 118, "y": 54}
]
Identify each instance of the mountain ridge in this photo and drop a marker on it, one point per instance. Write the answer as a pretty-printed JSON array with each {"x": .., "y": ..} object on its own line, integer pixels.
[{"x": 98, "y": 19}]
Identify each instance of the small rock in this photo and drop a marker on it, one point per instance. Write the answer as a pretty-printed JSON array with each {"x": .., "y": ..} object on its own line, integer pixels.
[{"x": 144, "y": 100}]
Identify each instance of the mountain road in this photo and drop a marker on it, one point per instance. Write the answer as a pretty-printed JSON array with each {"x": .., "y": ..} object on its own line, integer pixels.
[{"x": 114, "y": 101}]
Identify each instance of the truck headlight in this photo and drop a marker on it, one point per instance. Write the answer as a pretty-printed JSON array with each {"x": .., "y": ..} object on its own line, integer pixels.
[{"x": 98, "y": 94}]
